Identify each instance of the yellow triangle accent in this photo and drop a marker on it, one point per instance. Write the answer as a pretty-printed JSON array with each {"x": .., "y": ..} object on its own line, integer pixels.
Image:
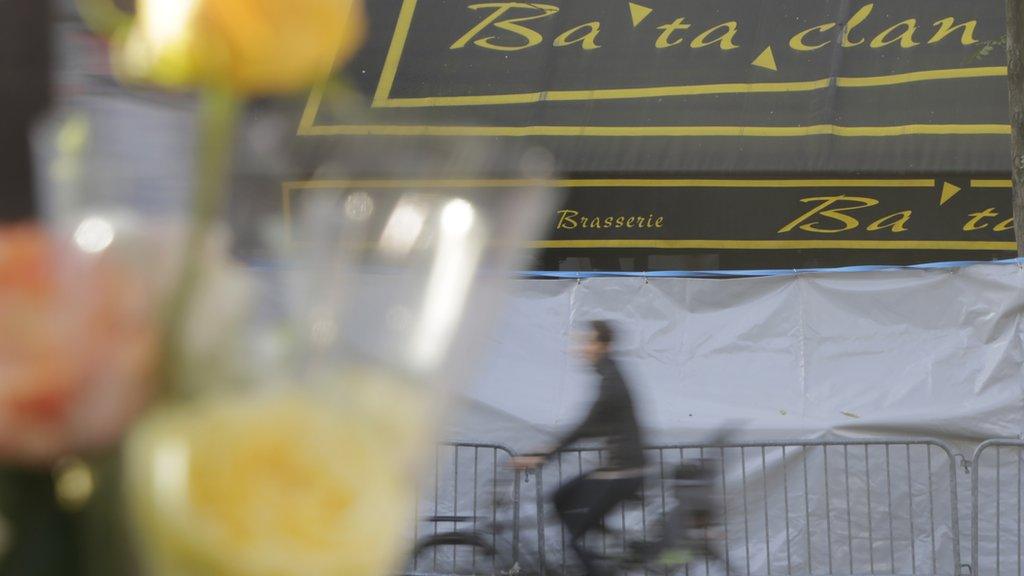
[
  {"x": 766, "y": 60},
  {"x": 948, "y": 191},
  {"x": 638, "y": 13}
]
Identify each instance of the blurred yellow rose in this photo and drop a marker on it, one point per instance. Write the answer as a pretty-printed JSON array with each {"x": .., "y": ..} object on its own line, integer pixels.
[
  {"x": 274, "y": 485},
  {"x": 251, "y": 46}
]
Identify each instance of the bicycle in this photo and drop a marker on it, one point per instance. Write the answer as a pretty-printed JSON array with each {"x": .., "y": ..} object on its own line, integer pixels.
[{"x": 686, "y": 533}]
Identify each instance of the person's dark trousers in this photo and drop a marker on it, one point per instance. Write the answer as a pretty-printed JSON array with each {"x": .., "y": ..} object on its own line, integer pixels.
[{"x": 583, "y": 502}]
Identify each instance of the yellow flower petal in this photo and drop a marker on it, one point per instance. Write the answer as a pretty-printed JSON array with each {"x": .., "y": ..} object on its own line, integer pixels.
[
  {"x": 271, "y": 486},
  {"x": 251, "y": 46}
]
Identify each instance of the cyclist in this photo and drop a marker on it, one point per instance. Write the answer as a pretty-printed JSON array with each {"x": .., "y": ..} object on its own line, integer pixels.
[{"x": 582, "y": 503}]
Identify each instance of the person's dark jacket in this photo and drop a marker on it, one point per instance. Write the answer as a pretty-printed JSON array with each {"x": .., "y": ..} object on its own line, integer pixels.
[{"x": 613, "y": 418}]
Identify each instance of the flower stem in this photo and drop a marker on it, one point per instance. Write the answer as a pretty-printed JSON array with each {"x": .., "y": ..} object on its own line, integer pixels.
[
  {"x": 104, "y": 17},
  {"x": 217, "y": 117}
]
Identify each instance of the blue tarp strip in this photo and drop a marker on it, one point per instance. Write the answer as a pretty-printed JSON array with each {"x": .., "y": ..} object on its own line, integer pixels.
[
  {"x": 757, "y": 273},
  {"x": 265, "y": 264}
]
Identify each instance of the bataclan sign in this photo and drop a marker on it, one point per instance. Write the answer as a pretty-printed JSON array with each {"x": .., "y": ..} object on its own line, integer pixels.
[{"x": 713, "y": 125}]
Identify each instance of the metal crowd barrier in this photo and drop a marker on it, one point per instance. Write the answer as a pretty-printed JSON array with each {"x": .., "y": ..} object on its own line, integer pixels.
[
  {"x": 805, "y": 507},
  {"x": 856, "y": 507},
  {"x": 996, "y": 492},
  {"x": 472, "y": 489}
]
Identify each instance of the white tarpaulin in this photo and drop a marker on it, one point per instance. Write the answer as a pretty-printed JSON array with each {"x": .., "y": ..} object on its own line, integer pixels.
[
  {"x": 934, "y": 353},
  {"x": 896, "y": 353}
]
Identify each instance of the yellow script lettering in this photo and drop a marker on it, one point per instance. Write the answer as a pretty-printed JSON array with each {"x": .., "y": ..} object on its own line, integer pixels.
[
  {"x": 858, "y": 17},
  {"x": 665, "y": 39},
  {"x": 530, "y": 37},
  {"x": 566, "y": 219},
  {"x": 976, "y": 217},
  {"x": 1004, "y": 225},
  {"x": 905, "y": 38},
  {"x": 824, "y": 209},
  {"x": 724, "y": 39},
  {"x": 946, "y": 28},
  {"x": 587, "y": 41},
  {"x": 896, "y": 222},
  {"x": 798, "y": 41}
]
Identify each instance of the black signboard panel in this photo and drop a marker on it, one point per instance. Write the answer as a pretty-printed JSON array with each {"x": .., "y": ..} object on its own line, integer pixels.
[
  {"x": 704, "y": 125},
  {"x": 773, "y": 214}
]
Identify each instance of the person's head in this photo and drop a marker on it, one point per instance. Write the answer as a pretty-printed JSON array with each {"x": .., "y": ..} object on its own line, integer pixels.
[{"x": 598, "y": 341}]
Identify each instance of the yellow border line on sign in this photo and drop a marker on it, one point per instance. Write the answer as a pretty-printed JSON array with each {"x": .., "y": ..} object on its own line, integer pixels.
[
  {"x": 288, "y": 187},
  {"x": 603, "y": 94},
  {"x": 783, "y": 244},
  {"x": 312, "y": 108},
  {"x": 612, "y": 183},
  {"x": 390, "y": 70},
  {"x": 921, "y": 76},
  {"x": 654, "y": 131},
  {"x": 383, "y": 100},
  {"x": 991, "y": 184}
]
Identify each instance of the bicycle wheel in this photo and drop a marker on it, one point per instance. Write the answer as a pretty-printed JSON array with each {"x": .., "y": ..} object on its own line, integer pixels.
[{"x": 456, "y": 554}]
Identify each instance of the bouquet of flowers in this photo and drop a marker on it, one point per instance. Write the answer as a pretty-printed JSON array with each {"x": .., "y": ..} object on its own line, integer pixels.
[{"x": 140, "y": 340}]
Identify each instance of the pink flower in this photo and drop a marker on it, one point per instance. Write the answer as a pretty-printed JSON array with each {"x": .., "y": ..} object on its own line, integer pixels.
[{"x": 77, "y": 347}]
